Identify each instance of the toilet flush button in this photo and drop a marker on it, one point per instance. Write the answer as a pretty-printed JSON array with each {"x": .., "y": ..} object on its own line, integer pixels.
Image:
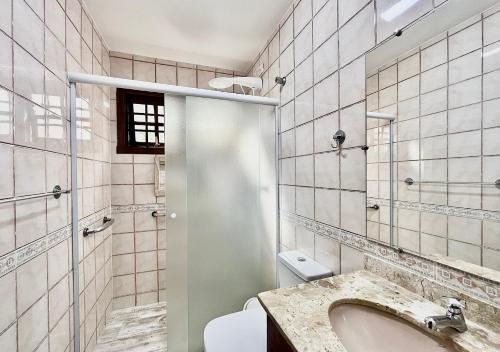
[
  {"x": 301, "y": 259},
  {"x": 173, "y": 215}
]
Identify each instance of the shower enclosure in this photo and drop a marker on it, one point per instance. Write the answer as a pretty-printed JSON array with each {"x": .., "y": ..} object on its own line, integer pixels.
[
  {"x": 221, "y": 178},
  {"x": 221, "y": 211}
]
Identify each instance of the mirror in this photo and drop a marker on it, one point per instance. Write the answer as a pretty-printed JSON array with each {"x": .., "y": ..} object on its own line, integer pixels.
[{"x": 440, "y": 80}]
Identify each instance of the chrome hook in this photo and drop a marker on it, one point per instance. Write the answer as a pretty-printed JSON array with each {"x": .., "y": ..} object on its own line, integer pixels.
[{"x": 339, "y": 138}]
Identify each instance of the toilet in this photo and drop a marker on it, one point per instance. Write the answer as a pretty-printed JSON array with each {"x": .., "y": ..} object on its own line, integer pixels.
[{"x": 246, "y": 331}]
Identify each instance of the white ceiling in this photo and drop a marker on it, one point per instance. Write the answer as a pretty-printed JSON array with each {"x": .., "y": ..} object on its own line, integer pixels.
[{"x": 221, "y": 33}]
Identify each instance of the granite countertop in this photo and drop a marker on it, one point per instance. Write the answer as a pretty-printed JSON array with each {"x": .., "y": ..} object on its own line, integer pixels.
[{"x": 301, "y": 312}]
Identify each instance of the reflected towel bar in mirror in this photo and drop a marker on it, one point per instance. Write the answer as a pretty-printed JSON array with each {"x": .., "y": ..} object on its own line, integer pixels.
[
  {"x": 106, "y": 222},
  {"x": 157, "y": 213},
  {"x": 56, "y": 193},
  {"x": 409, "y": 181}
]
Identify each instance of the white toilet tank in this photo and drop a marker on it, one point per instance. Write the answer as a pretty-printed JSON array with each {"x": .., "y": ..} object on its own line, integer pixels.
[
  {"x": 295, "y": 267},
  {"x": 245, "y": 331}
]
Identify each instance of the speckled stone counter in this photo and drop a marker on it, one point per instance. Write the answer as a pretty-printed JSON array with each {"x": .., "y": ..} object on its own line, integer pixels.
[{"x": 301, "y": 312}]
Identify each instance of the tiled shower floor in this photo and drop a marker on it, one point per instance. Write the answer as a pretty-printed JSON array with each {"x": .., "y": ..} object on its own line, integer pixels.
[{"x": 136, "y": 329}]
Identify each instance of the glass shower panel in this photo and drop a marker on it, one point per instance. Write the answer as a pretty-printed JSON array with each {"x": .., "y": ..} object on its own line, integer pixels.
[{"x": 221, "y": 186}]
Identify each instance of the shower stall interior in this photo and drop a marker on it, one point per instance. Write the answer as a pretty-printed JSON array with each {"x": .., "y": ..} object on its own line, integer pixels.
[{"x": 221, "y": 191}]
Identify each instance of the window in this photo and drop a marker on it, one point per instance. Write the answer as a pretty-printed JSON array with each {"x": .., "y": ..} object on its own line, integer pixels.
[{"x": 140, "y": 122}]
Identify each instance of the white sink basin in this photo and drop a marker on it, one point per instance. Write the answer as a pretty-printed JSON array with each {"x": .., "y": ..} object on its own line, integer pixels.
[{"x": 362, "y": 329}]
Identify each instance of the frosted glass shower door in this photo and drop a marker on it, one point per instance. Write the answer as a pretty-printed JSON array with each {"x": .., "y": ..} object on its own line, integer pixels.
[{"x": 221, "y": 211}]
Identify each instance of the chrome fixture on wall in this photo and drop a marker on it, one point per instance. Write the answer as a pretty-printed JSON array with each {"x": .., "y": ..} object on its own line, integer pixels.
[
  {"x": 106, "y": 222},
  {"x": 157, "y": 213},
  {"x": 56, "y": 193},
  {"x": 280, "y": 80},
  {"x": 409, "y": 181},
  {"x": 338, "y": 138}
]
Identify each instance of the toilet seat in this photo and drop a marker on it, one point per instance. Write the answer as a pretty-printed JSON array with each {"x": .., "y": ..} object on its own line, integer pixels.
[{"x": 244, "y": 331}]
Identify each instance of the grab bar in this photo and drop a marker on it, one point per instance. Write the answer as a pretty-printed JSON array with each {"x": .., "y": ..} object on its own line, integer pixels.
[
  {"x": 56, "y": 193},
  {"x": 106, "y": 222},
  {"x": 157, "y": 213}
]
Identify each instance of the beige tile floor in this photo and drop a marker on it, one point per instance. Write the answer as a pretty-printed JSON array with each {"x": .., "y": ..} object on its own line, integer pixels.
[{"x": 136, "y": 329}]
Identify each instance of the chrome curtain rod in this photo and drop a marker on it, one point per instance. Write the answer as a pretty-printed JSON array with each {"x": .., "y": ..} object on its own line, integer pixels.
[
  {"x": 409, "y": 181},
  {"x": 56, "y": 193},
  {"x": 76, "y": 77}
]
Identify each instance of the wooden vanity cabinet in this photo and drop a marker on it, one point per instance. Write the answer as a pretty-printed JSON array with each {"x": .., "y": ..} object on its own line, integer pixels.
[{"x": 275, "y": 340}]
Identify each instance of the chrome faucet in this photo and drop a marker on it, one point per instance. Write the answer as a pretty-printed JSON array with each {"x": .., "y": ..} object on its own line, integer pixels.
[{"x": 453, "y": 319}]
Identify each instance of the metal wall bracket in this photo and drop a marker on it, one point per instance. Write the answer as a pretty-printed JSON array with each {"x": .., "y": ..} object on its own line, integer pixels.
[{"x": 280, "y": 80}]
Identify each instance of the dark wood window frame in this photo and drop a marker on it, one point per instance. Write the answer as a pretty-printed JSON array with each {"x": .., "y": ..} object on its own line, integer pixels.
[{"x": 126, "y": 124}]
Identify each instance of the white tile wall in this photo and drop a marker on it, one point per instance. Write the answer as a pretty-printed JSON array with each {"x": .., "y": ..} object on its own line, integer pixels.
[{"x": 39, "y": 42}]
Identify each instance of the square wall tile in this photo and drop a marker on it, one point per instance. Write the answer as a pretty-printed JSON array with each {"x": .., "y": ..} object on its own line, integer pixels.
[
  {"x": 304, "y": 76},
  {"x": 304, "y": 139},
  {"x": 353, "y": 169},
  {"x": 326, "y": 171},
  {"x": 146, "y": 261},
  {"x": 287, "y": 144},
  {"x": 29, "y": 37},
  {"x": 355, "y": 38},
  {"x": 324, "y": 129},
  {"x": 465, "y": 41},
  {"x": 33, "y": 326},
  {"x": 352, "y": 82},
  {"x": 287, "y": 171},
  {"x": 464, "y": 169},
  {"x": 327, "y": 253},
  {"x": 305, "y": 241},
  {"x": 305, "y": 201},
  {"x": 351, "y": 260},
  {"x": 352, "y": 122},
  {"x": 303, "y": 44},
  {"x": 409, "y": 67},
  {"x": 464, "y": 144},
  {"x": 327, "y": 204},
  {"x": 8, "y": 302},
  {"x": 466, "y": 67},
  {"x": 305, "y": 171},
  {"x": 303, "y": 108},
  {"x": 286, "y": 34},
  {"x": 302, "y": 15},
  {"x": 5, "y": 61},
  {"x": 351, "y": 219},
  {"x": 325, "y": 23},
  {"x": 326, "y": 96},
  {"x": 491, "y": 28},
  {"x": 434, "y": 55},
  {"x": 491, "y": 85},
  {"x": 326, "y": 58}
]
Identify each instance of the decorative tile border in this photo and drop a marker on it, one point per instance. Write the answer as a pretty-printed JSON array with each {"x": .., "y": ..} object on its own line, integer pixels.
[
  {"x": 439, "y": 209},
  {"x": 472, "y": 285},
  {"x": 16, "y": 258},
  {"x": 137, "y": 207}
]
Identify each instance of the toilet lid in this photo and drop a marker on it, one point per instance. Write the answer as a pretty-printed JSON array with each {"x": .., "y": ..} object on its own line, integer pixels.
[{"x": 243, "y": 331}]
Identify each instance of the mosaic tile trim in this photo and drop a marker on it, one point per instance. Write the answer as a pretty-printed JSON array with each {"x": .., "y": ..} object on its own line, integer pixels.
[
  {"x": 16, "y": 258},
  {"x": 137, "y": 207},
  {"x": 472, "y": 285},
  {"x": 439, "y": 209}
]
